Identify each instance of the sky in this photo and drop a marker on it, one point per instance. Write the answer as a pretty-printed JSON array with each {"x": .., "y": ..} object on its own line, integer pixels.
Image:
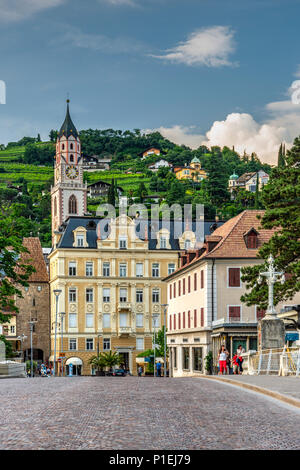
[{"x": 213, "y": 72}]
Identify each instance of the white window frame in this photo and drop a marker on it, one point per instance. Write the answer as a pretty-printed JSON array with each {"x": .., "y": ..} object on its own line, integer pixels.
[
  {"x": 105, "y": 323},
  {"x": 139, "y": 295},
  {"x": 123, "y": 270},
  {"x": 72, "y": 265},
  {"x": 89, "y": 320},
  {"x": 140, "y": 342},
  {"x": 74, "y": 316},
  {"x": 155, "y": 269},
  {"x": 89, "y": 264},
  {"x": 157, "y": 291},
  {"x": 71, "y": 341},
  {"x": 139, "y": 324},
  {"x": 79, "y": 240},
  {"x": 171, "y": 270},
  {"x": 71, "y": 294},
  {"x": 106, "y": 342},
  {"x": 122, "y": 242},
  {"x": 123, "y": 289},
  {"x": 106, "y": 298},
  {"x": 140, "y": 265},
  {"x": 89, "y": 341},
  {"x": 89, "y": 296},
  {"x": 106, "y": 269}
]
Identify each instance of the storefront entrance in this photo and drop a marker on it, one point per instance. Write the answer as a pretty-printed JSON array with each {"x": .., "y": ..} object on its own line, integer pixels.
[{"x": 124, "y": 360}]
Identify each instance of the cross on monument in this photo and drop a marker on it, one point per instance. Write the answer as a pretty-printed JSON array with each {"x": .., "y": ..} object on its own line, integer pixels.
[{"x": 272, "y": 276}]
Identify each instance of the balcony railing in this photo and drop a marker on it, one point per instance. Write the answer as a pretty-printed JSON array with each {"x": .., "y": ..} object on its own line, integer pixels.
[
  {"x": 125, "y": 330},
  {"x": 124, "y": 306}
]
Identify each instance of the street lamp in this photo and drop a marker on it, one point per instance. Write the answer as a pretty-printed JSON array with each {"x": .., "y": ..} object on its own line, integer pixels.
[
  {"x": 272, "y": 276},
  {"x": 154, "y": 316},
  {"x": 57, "y": 293},
  {"x": 31, "y": 323},
  {"x": 22, "y": 338},
  {"x": 62, "y": 315},
  {"x": 165, "y": 338}
]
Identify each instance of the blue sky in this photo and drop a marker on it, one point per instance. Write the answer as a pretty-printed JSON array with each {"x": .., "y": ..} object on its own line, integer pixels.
[{"x": 213, "y": 71}]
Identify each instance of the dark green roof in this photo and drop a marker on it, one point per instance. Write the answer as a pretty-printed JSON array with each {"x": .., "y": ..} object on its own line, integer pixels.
[{"x": 68, "y": 128}]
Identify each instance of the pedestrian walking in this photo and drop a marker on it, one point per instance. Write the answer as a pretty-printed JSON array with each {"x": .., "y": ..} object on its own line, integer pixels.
[
  {"x": 140, "y": 371},
  {"x": 240, "y": 350},
  {"x": 222, "y": 358},
  {"x": 235, "y": 365},
  {"x": 158, "y": 369}
]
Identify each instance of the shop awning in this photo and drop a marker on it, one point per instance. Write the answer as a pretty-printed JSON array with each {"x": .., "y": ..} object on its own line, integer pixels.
[
  {"x": 292, "y": 336},
  {"x": 76, "y": 361}
]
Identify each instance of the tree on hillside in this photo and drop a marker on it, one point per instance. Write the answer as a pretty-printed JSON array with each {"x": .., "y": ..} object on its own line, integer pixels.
[
  {"x": 53, "y": 135},
  {"x": 281, "y": 197},
  {"x": 111, "y": 196},
  {"x": 217, "y": 182},
  {"x": 281, "y": 156}
]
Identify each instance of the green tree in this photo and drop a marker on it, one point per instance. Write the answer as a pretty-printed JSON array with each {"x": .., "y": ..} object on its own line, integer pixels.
[
  {"x": 98, "y": 361},
  {"x": 111, "y": 195},
  {"x": 111, "y": 358},
  {"x": 217, "y": 180},
  {"x": 281, "y": 197},
  {"x": 281, "y": 156}
]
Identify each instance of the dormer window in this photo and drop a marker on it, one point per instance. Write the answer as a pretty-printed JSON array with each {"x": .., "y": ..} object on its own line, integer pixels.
[
  {"x": 251, "y": 239},
  {"x": 187, "y": 244},
  {"x": 79, "y": 240},
  {"x": 123, "y": 243},
  {"x": 163, "y": 243}
]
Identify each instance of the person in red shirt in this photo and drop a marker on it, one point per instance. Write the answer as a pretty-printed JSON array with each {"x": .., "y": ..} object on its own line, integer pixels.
[{"x": 235, "y": 364}]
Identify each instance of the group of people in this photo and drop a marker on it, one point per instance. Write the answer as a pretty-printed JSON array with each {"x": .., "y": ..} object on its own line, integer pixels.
[{"x": 225, "y": 363}]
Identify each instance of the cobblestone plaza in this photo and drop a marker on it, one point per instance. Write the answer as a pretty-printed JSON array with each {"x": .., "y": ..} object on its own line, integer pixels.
[{"x": 141, "y": 413}]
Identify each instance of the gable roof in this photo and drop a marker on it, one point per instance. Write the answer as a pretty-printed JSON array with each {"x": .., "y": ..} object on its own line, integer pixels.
[
  {"x": 36, "y": 259},
  {"x": 230, "y": 241}
]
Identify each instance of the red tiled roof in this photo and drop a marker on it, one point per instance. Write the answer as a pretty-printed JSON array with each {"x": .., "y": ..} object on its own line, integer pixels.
[
  {"x": 36, "y": 259},
  {"x": 230, "y": 239}
]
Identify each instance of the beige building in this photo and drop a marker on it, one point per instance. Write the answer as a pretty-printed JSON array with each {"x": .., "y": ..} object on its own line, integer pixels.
[
  {"x": 109, "y": 271},
  {"x": 204, "y": 294}
]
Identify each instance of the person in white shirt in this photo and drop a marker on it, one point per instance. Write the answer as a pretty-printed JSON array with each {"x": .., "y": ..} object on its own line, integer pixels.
[{"x": 222, "y": 358}]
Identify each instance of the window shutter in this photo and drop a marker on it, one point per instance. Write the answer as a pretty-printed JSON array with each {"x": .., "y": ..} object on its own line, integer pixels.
[
  {"x": 202, "y": 279},
  {"x": 179, "y": 322},
  {"x": 189, "y": 284},
  {"x": 170, "y": 322},
  {"x": 195, "y": 318},
  {"x": 183, "y": 320},
  {"x": 234, "y": 313},
  {"x": 260, "y": 313},
  {"x": 174, "y": 290},
  {"x": 179, "y": 288},
  {"x": 189, "y": 319},
  {"x": 170, "y": 292},
  {"x": 202, "y": 316},
  {"x": 234, "y": 277},
  {"x": 183, "y": 286},
  {"x": 174, "y": 318},
  {"x": 195, "y": 281}
]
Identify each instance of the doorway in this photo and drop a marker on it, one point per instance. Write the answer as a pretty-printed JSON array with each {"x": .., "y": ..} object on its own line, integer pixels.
[
  {"x": 124, "y": 360},
  {"x": 238, "y": 341}
]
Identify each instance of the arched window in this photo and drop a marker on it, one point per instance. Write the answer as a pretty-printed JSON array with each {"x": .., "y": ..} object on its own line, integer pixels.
[
  {"x": 187, "y": 244},
  {"x": 71, "y": 146},
  {"x": 72, "y": 205},
  {"x": 55, "y": 207},
  {"x": 63, "y": 146},
  {"x": 71, "y": 157}
]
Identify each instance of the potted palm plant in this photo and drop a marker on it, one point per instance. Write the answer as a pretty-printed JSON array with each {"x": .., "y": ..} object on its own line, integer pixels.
[
  {"x": 111, "y": 359},
  {"x": 99, "y": 363}
]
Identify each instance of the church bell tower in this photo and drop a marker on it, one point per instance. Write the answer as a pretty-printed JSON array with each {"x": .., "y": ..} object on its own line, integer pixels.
[{"x": 69, "y": 193}]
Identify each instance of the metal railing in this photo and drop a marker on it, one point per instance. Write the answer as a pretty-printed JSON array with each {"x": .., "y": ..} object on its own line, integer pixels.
[{"x": 285, "y": 361}]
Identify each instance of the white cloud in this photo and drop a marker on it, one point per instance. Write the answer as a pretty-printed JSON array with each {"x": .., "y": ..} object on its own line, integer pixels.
[
  {"x": 242, "y": 131},
  {"x": 180, "y": 135},
  {"x": 15, "y": 10},
  {"x": 208, "y": 46},
  {"x": 97, "y": 42}
]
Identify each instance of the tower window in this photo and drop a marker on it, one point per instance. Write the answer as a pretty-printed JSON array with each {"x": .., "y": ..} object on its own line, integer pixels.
[
  {"x": 71, "y": 157},
  {"x": 63, "y": 146},
  {"x": 72, "y": 205},
  {"x": 71, "y": 146}
]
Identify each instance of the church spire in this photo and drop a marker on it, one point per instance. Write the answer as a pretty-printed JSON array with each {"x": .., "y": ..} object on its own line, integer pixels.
[{"x": 68, "y": 128}]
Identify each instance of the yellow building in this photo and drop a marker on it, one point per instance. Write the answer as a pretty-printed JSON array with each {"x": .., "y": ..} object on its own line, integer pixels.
[
  {"x": 193, "y": 171},
  {"x": 109, "y": 271}
]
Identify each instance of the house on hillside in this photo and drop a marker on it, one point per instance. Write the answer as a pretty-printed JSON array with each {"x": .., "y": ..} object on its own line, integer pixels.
[
  {"x": 97, "y": 162},
  {"x": 101, "y": 188},
  {"x": 160, "y": 164},
  {"x": 248, "y": 181},
  {"x": 150, "y": 151},
  {"x": 191, "y": 172}
]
